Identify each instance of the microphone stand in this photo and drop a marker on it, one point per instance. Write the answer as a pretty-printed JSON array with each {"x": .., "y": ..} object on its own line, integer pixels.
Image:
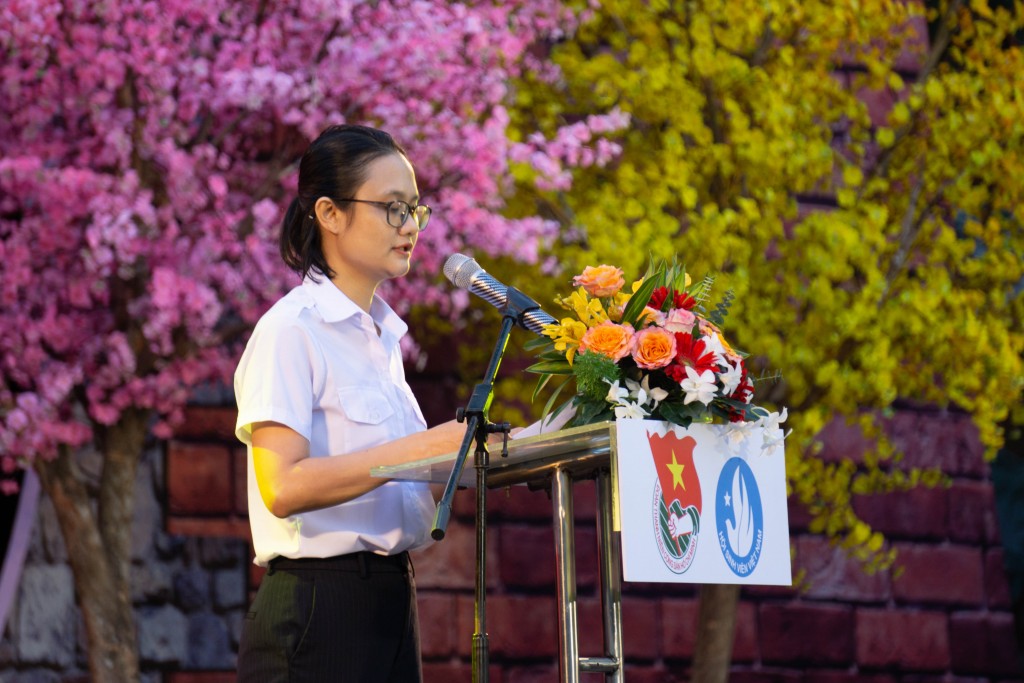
[{"x": 478, "y": 427}]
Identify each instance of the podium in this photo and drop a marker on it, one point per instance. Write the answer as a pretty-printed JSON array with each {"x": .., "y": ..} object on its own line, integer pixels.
[{"x": 555, "y": 460}]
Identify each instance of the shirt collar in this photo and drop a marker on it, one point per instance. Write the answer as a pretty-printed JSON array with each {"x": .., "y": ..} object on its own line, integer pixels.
[{"x": 335, "y": 306}]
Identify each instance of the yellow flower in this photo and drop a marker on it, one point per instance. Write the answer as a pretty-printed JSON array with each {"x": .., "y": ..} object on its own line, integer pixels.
[
  {"x": 566, "y": 336},
  {"x": 618, "y": 306},
  {"x": 589, "y": 311}
]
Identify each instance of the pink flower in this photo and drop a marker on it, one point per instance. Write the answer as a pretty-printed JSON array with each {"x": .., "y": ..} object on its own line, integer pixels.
[
  {"x": 600, "y": 280},
  {"x": 680, "y": 320}
]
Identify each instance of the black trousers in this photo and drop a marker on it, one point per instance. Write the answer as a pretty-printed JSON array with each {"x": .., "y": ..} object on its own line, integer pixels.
[{"x": 350, "y": 618}]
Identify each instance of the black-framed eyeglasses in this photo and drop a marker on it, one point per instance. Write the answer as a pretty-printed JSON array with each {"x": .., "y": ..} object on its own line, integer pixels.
[{"x": 399, "y": 211}]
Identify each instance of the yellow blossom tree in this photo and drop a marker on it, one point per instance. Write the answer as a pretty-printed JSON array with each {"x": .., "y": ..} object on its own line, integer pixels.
[{"x": 874, "y": 252}]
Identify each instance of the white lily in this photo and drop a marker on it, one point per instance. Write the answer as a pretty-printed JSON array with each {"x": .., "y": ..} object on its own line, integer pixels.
[
  {"x": 774, "y": 436},
  {"x": 698, "y": 387},
  {"x": 616, "y": 394},
  {"x": 637, "y": 391},
  {"x": 657, "y": 394},
  {"x": 731, "y": 378},
  {"x": 736, "y": 433},
  {"x": 772, "y": 442},
  {"x": 771, "y": 421},
  {"x": 713, "y": 343},
  {"x": 630, "y": 411}
]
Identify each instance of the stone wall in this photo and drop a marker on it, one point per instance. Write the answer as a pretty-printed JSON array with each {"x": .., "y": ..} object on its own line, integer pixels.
[{"x": 189, "y": 591}]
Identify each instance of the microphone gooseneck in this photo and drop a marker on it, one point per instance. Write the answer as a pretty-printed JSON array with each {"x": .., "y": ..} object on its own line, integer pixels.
[{"x": 465, "y": 273}]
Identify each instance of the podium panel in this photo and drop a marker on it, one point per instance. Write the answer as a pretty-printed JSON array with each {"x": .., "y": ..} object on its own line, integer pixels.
[{"x": 661, "y": 489}]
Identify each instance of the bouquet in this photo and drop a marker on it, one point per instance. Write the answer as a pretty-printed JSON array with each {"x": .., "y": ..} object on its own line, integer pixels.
[{"x": 655, "y": 352}]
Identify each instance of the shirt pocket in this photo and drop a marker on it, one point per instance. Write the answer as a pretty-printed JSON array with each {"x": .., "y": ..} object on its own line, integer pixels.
[
  {"x": 368, "y": 419},
  {"x": 365, "y": 405}
]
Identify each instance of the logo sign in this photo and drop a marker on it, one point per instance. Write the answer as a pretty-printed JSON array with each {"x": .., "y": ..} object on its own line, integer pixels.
[
  {"x": 740, "y": 517},
  {"x": 677, "y": 499},
  {"x": 701, "y": 504}
]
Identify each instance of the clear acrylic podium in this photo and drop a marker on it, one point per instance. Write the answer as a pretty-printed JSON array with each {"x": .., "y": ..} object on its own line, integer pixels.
[{"x": 555, "y": 460}]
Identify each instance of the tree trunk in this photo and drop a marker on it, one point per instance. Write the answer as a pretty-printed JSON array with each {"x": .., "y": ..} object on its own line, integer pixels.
[
  {"x": 716, "y": 627},
  {"x": 98, "y": 541}
]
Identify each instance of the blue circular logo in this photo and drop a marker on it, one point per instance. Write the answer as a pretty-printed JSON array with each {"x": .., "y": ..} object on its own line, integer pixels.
[{"x": 740, "y": 519}]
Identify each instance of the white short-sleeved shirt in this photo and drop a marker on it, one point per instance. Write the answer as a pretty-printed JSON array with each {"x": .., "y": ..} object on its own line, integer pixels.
[{"x": 316, "y": 364}]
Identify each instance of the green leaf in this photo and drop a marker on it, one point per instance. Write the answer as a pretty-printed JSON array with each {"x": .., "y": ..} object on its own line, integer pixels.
[
  {"x": 551, "y": 401},
  {"x": 559, "y": 409},
  {"x": 722, "y": 309},
  {"x": 542, "y": 382},
  {"x": 720, "y": 406},
  {"x": 589, "y": 411},
  {"x": 639, "y": 300},
  {"x": 553, "y": 367},
  {"x": 538, "y": 343},
  {"x": 679, "y": 281},
  {"x": 679, "y": 413}
]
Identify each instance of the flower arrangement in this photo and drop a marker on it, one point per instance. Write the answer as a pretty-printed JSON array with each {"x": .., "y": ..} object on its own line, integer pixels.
[{"x": 653, "y": 353}]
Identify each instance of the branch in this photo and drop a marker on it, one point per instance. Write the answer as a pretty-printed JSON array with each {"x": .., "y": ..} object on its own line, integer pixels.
[
  {"x": 935, "y": 54},
  {"x": 942, "y": 39},
  {"x": 908, "y": 232},
  {"x": 912, "y": 227}
]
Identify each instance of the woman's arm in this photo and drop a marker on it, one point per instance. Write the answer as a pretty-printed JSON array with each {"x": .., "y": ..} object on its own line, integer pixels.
[{"x": 291, "y": 482}]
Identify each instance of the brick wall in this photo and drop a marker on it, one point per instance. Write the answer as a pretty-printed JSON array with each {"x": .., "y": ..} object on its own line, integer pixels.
[{"x": 942, "y": 614}]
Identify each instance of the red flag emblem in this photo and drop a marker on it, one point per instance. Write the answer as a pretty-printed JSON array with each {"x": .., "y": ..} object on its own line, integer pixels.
[{"x": 673, "y": 458}]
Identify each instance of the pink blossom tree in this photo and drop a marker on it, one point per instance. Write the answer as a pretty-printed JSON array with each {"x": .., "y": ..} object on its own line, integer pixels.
[{"x": 146, "y": 152}]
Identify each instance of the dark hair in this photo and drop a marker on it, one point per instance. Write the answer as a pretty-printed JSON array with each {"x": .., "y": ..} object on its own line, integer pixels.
[{"x": 335, "y": 166}]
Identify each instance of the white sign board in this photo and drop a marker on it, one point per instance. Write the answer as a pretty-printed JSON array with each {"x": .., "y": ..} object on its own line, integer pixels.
[{"x": 705, "y": 504}]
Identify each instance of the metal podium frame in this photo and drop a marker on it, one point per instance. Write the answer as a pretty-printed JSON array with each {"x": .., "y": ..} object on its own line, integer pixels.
[{"x": 556, "y": 460}]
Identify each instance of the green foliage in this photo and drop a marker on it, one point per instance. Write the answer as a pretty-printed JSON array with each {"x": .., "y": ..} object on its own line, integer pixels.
[
  {"x": 592, "y": 370},
  {"x": 903, "y": 283},
  {"x": 721, "y": 310}
]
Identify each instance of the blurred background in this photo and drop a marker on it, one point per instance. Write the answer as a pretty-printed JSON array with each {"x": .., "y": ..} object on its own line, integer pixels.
[{"x": 849, "y": 172}]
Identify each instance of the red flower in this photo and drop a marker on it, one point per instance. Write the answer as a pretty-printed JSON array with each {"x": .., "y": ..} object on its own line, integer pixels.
[
  {"x": 745, "y": 390},
  {"x": 683, "y": 300},
  {"x": 658, "y": 297},
  {"x": 679, "y": 299},
  {"x": 735, "y": 415},
  {"x": 676, "y": 372},
  {"x": 694, "y": 353}
]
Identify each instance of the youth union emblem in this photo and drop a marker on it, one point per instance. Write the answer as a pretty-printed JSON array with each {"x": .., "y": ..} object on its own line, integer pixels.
[
  {"x": 740, "y": 518},
  {"x": 677, "y": 500}
]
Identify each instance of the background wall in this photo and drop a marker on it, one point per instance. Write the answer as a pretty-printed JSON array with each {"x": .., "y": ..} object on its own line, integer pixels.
[{"x": 943, "y": 613}]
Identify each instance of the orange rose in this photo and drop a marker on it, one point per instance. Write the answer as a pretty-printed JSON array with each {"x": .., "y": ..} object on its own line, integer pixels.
[
  {"x": 655, "y": 348},
  {"x": 600, "y": 281},
  {"x": 608, "y": 339}
]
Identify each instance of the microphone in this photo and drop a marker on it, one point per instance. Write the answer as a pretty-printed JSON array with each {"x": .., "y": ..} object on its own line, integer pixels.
[{"x": 465, "y": 273}]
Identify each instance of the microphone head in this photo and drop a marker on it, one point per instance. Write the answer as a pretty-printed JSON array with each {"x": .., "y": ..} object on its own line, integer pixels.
[{"x": 460, "y": 270}]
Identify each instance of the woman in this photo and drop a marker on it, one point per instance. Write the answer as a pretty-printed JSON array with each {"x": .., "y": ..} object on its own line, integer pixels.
[{"x": 322, "y": 398}]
